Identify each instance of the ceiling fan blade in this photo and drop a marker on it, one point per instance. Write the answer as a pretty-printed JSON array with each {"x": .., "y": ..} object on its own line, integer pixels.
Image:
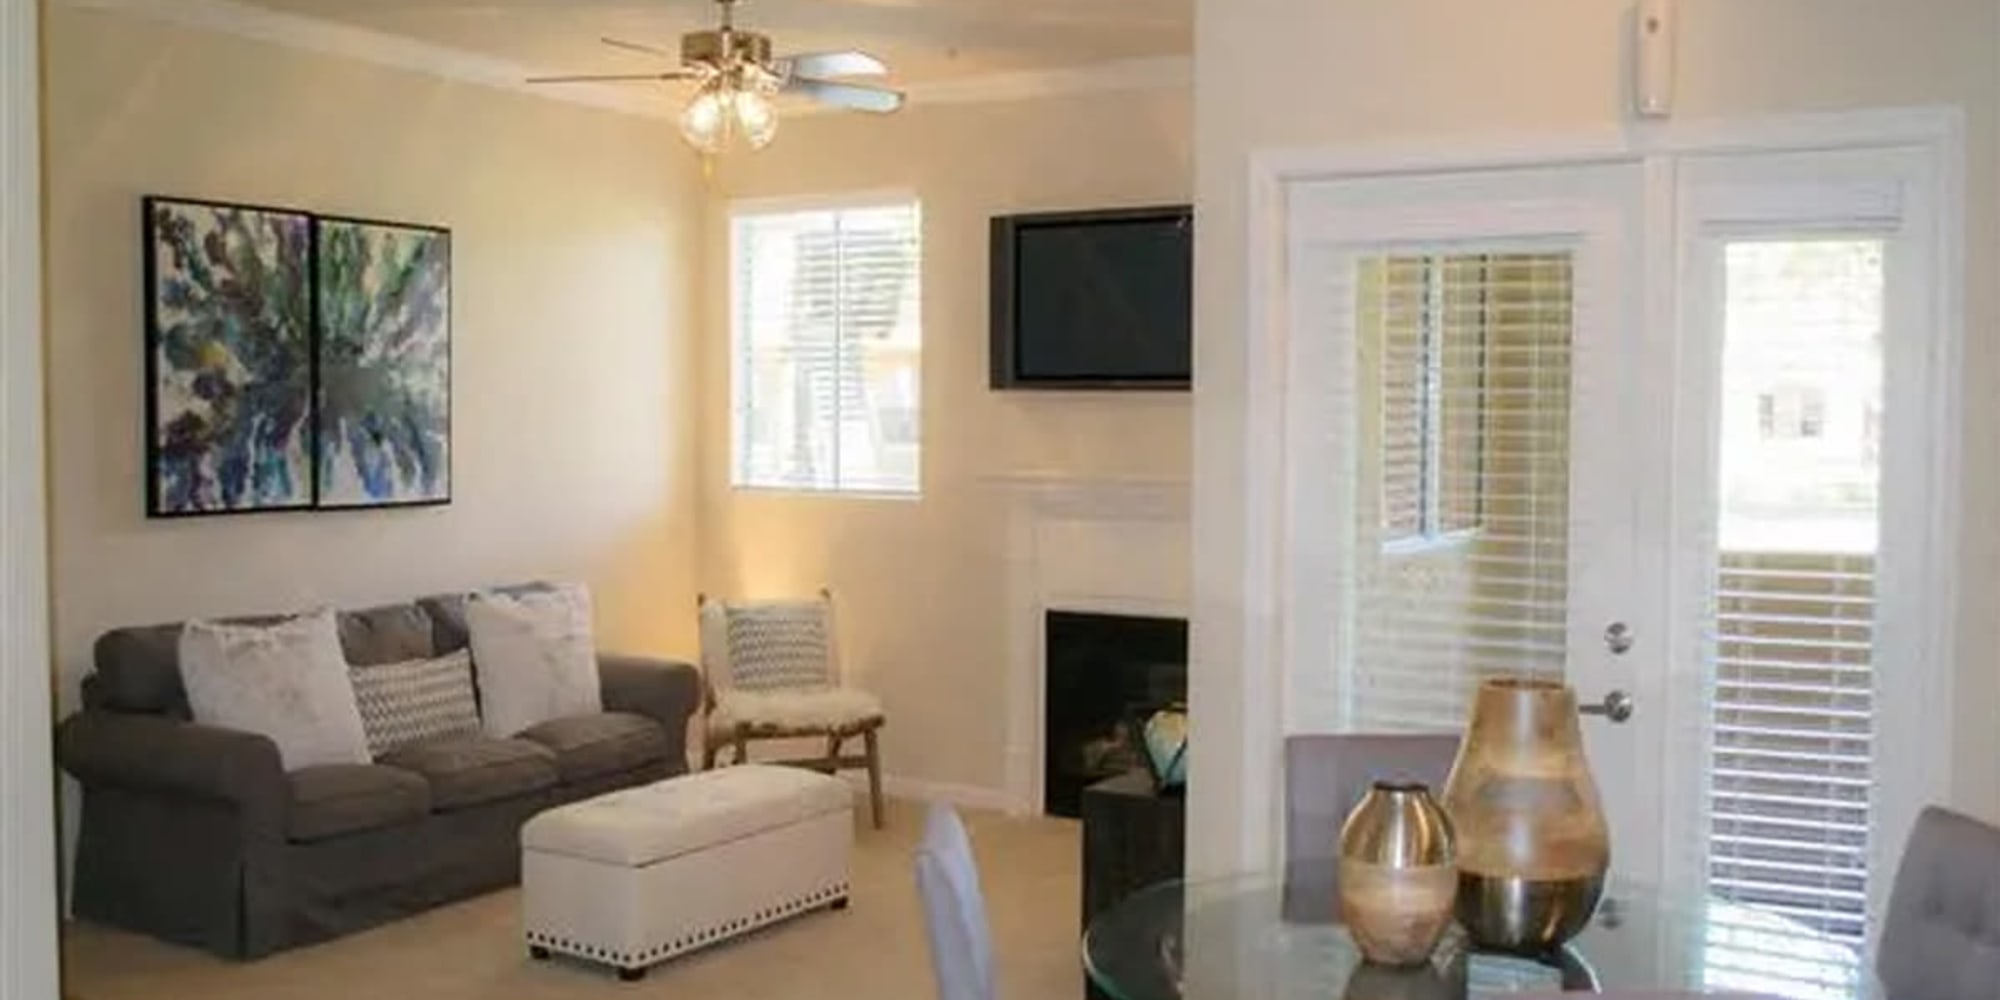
[
  {"x": 611, "y": 77},
  {"x": 825, "y": 64},
  {"x": 619, "y": 43},
  {"x": 846, "y": 95}
]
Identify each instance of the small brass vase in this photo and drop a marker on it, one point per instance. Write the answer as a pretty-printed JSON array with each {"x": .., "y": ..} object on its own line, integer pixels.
[
  {"x": 1398, "y": 876},
  {"x": 1533, "y": 843}
]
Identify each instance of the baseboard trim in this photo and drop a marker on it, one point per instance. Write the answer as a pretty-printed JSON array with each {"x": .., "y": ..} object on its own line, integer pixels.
[{"x": 918, "y": 789}]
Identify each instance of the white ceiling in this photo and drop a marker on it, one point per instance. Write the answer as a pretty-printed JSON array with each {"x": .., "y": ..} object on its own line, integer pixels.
[{"x": 926, "y": 42}]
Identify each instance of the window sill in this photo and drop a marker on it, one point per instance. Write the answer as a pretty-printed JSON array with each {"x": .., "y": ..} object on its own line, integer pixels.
[
  {"x": 825, "y": 493},
  {"x": 1418, "y": 545}
]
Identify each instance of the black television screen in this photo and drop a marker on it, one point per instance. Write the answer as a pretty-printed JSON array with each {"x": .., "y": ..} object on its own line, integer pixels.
[{"x": 1094, "y": 300}]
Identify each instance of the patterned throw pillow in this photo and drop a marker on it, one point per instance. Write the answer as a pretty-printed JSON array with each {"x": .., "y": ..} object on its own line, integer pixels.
[
  {"x": 778, "y": 645},
  {"x": 417, "y": 701}
]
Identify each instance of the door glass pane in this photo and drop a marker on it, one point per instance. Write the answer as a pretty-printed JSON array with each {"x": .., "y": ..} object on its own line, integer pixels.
[
  {"x": 1461, "y": 565},
  {"x": 1791, "y": 635}
]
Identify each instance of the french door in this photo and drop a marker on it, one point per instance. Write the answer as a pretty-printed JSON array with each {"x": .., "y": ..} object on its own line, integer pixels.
[{"x": 1640, "y": 426}]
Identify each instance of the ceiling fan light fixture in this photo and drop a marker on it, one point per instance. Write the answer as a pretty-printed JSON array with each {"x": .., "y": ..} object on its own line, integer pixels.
[
  {"x": 725, "y": 110},
  {"x": 705, "y": 121},
  {"x": 756, "y": 118}
]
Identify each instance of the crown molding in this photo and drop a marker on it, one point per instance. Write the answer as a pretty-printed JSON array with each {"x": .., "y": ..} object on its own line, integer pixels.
[{"x": 245, "y": 20}]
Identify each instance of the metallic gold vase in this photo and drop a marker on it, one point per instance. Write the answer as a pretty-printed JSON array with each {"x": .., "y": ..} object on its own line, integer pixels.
[
  {"x": 1397, "y": 878},
  {"x": 1533, "y": 846}
]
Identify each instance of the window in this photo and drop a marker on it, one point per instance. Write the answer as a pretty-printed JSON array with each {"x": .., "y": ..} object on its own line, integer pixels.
[
  {"x": 1436, "y": 314},
  {"x": 1791, "y": 413},
  {"x": 826, "y": 349},
  {"x": 1792, "y": 739},
  {"x": 1467, "y": 364}
]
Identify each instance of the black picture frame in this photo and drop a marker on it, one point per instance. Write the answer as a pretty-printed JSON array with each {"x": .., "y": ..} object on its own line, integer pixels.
[
  {"x": 189, "y": 358},
  {"x": 322, "y": 377},
  {"x": 211, "y": 382}
]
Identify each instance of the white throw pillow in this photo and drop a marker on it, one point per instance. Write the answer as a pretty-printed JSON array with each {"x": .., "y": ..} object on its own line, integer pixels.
[
  {"x": 534, "y": 657},
  {"x": 286, "y": 681}
]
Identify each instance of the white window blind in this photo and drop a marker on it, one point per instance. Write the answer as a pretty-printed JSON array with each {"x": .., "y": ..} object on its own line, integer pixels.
[
  {"x": 826, "y": 349},
  {"x": 1433, "y": 344},
  {"x": 1792, "y": 728},
  {"x": 1467, "y": 360}
]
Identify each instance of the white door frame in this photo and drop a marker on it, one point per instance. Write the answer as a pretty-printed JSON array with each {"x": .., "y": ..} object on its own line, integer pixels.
[
  {"x": 1937, "y": 134},
  {"x": 1592, "y": 215},
  {"x": 28, "y": 959}
]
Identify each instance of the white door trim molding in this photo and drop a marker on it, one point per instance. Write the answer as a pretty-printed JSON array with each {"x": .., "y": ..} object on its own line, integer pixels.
[
  {"x": 28, "y": 960},
  {"x": 1936, "y": 132}
]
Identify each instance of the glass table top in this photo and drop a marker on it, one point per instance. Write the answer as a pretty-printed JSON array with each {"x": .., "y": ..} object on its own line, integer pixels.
[{"x": 1229, "y": 939}]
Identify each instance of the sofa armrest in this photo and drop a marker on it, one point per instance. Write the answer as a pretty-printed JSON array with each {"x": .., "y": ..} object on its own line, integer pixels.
[
  {"x": 164, "y": 755},
  {"x": 666, "y": 691}
]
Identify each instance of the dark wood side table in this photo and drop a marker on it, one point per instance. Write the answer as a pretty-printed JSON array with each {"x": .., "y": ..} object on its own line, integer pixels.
[{"x": 1133, "y": 837}]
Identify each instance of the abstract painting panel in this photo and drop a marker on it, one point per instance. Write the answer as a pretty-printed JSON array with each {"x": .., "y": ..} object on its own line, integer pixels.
[
  {"x": 229, "y": 358},
  {"x": 384, "y": 297}
]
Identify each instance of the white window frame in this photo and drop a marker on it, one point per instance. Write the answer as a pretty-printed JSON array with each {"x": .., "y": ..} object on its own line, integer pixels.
[
  {"x": 1897, "y": 193},
  {"x": 798, "y": 204}
]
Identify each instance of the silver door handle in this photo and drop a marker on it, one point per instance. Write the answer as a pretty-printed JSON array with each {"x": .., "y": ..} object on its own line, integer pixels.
[{"x": 1616, "y": 706}]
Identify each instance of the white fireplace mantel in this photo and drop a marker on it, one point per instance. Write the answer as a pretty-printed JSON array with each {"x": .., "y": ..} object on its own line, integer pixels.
[{"x": 1079, "y": 543}]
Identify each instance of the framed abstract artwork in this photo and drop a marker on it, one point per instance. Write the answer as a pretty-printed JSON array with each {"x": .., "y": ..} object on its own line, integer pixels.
[
  {"x": 229, "y": 358},
  {"x": 383, "y": 360}
]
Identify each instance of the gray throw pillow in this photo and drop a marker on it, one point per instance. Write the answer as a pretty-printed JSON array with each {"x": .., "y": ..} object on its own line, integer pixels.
[
  {"x": 287, "y": 681},
  {"x": 417, "y": 701}
]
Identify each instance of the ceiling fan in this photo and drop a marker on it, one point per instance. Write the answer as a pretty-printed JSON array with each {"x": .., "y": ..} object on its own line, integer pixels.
[{"x": 736, "y": 76}]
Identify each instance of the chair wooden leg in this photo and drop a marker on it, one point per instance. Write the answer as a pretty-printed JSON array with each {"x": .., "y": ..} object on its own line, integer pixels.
[
  {"x": 833, "y": 744},
  {"x": 742, "y": 749},
  {"x": 874, "y": 775},
  {"x": 710, "y": 746}
]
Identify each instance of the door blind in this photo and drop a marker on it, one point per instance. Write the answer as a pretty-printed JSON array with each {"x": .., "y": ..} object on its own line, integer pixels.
[
  {"x": 827, "y": 334},
  {"x": 1792, "y": 727},
  {"x": 1461, "y": 563}
]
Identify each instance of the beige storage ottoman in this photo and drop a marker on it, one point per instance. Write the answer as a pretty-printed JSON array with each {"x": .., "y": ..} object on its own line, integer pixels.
[{"x": 636, "y": 877}]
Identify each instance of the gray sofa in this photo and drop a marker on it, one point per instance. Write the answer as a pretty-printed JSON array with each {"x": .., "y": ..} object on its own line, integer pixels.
[{"x": 197, "y": 835}]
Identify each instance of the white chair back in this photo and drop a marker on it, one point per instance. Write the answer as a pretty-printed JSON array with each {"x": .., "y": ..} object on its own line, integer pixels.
[{"x": 954, "y": 910}]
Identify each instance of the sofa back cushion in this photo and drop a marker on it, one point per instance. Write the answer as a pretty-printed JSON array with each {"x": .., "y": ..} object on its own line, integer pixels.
[
  {"x": 139, "y": 670},
  {"x": 447, "y": 614}
]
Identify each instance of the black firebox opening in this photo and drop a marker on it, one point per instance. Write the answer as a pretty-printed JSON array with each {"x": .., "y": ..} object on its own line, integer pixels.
[{"x": 1104, "y": 674}]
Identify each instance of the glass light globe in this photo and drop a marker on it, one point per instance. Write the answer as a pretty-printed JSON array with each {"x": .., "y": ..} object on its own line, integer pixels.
[
  {"x": 706, "y": 120},
  {"x": 756, "y": 118}
]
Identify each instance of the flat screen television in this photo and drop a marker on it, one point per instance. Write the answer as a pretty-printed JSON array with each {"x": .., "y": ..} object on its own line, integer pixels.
[{"x": 1094, "y": 300}]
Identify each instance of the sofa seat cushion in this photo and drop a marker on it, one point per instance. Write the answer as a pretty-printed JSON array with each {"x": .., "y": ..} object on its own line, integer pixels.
[
  {"x": 335, "y": 799},
  {"x": 470, "y": 772},
  {"x": 679, "y": 816},
  {"x": 589, "y": 746}
]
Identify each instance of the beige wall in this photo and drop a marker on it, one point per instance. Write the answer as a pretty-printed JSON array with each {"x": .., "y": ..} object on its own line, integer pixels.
[
  {"x": 1274, "y": 73},
  {"x": 576, "y": 253},
  {"x": 922, "y": 583}
]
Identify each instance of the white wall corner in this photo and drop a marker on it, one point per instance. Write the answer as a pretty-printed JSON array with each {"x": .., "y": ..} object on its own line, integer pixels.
[{"x": 28, "y": 906}]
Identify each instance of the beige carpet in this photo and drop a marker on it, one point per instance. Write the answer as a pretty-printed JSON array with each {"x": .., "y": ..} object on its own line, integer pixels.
[{"x": 876, "y": 949}]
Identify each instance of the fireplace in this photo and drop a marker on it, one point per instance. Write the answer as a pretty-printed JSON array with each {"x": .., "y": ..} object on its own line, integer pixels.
[{"x": 1104, "y": 674}]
